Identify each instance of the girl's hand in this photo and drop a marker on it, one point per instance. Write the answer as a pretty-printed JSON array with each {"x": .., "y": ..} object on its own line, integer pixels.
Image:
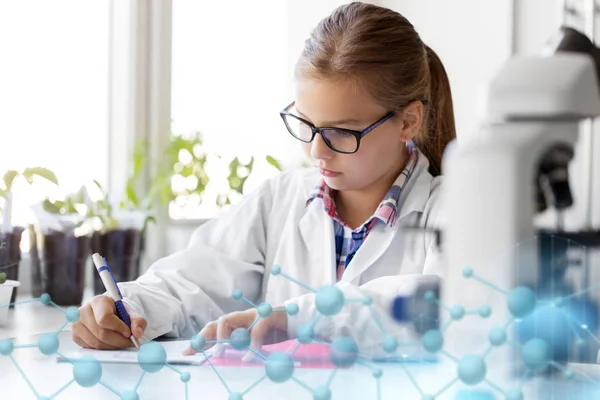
[
  {"x": 271, "y": 329},
  {"x": 100, "y": 328}
]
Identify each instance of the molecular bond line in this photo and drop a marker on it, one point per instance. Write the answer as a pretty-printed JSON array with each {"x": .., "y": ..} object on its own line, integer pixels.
[
  {"x": 87, "y": 371},
  {"x": 279, "y": 366},
  {"x": 344, "y": 352}
]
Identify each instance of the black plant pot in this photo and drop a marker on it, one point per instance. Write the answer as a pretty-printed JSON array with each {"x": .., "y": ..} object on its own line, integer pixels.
[
  {"x": 59, "y": 262},
  {"x": 122, "y": 250},
  {"x": 10, "y": 256}
]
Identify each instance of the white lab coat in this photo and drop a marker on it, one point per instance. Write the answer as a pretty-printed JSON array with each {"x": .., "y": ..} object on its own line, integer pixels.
[{"x": 272, "y": 226}]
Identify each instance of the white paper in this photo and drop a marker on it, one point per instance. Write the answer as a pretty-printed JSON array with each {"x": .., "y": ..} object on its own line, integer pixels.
[{"x": 174, "y": 351}]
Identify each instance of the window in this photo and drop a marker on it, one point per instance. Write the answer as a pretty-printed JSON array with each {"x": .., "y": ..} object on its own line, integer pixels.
[
  {"x": 53, "y": 102},
  {"x": 231, "y": 75}
]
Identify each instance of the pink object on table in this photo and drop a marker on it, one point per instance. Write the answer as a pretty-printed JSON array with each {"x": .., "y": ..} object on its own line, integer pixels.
[{"x": 313, "y": 355}]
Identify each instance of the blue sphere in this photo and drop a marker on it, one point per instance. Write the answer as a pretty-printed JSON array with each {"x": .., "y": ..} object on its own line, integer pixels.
[
  {"x": 129, "y": 395},
  {"x": 433, "y": 341},
  {"x": 322, "y": 393},
  {"x": 6, "y": 347},
  {"x": 559, "y": 302},
  {"x": 237, "y": 294},
  {"x": 279, "y": 367},
  {"x": 485, "y": 311},
  {"x": 292, "y": 309},
  {"x": 472, "y": 369},
  {"x": 265, "y": 310},
  {"x": 536, "y": 354},
  {"x": 87, "y": 371},
  {"x": 198, "y": 343},
  {"x": 72, "y": 314},
  {"x": 521, "y": 302},
  {"x": 275, "y": 270},
  {"x": 475, "y": 395},
  {"x": 185, "y": 377},
  {"x": 390, "y": 344},
  {"x": 152, "y": 357},
  {"x": 457, "y": 312},
  {"x": 329, "y": 300},
  {"x": 569, "y": 374},
  {"x": 497, "y": 336},
  {"x": 48, "y": 343},
  {"x": 514, "y": 394},
  {"x": 467, "y": 272},
  {"x": 343, "y": 352},
  {"x": 377, "y": 373},
  {"x": 429, "y": 295},
  {"x": 235, "y": 396},
  {"x": 240, "y": 339},
  {"x": 305, "y": 334},
  {"x": 45, "y": 299}
]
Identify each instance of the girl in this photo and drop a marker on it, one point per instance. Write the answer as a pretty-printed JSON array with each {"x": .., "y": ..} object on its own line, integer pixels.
[{"x": 373, "y": 108}]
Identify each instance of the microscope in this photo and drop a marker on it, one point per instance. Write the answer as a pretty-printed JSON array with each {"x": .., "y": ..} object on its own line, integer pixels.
[{"x": 495, "y": 186}]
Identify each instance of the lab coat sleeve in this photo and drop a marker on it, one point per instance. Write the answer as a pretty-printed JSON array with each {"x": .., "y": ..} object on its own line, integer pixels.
[{"x": 180, "y": 293}]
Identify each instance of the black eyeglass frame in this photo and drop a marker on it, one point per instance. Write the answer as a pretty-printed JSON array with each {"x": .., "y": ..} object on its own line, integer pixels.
[{"x": 357, "y": 134}]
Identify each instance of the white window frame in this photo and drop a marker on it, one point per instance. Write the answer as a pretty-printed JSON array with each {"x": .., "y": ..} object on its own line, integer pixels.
[{"x": 139, "y": 97}]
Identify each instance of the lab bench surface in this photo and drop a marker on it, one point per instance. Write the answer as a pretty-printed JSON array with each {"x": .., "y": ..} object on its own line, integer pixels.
[{"x": 47, "y": 376}]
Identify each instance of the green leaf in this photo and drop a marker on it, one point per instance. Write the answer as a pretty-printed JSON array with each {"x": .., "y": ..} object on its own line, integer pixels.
[
  {"x": 45, "y": 173},
  {"x": 3, "y": 193},
  {"x": 9, "y": 177},
  {"x": 54, "y": 208},
  {"x": 79, "y": 196},
  {"x": 2, "y": 277},
  {"x": 131, "y": 195},
  {"x": 274, "y": 163}
]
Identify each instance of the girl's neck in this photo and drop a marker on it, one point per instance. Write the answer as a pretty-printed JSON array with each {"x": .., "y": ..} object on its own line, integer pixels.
[{"x": 356, "y": 207}]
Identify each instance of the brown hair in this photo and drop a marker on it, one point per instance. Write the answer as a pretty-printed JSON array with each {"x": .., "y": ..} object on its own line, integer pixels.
[{"x": 378, "y": 49}]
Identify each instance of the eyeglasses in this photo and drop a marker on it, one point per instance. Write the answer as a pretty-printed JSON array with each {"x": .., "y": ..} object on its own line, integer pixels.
[{"x": 346, "y": 141}]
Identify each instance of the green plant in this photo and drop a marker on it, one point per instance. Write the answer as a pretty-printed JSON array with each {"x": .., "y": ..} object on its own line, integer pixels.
[
  {"x": 2, "y": 277},
  {"x": 238, "y": 174},
  {"x": 28, "y": 174}
]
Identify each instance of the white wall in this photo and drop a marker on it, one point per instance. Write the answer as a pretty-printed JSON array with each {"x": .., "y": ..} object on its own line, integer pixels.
[{"x": 472, "y": 37}]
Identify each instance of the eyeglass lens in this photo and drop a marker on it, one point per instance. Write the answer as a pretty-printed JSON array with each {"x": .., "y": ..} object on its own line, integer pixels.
[{"x": 337, "y": 139}]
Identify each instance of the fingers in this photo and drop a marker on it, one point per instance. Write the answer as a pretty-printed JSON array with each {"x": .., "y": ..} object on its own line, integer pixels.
[
  {"x": 105, "y": 317},
  {"x": 109, "y": 337},
  {"x": 84, "y": 337},
  {"x": 209, "y": 332},
  {"x": 258, "y": 334},
  {"x": 138, "y": 326},
  {"x": 93, "y": 330},
  {"x": 222, "y": 329}
]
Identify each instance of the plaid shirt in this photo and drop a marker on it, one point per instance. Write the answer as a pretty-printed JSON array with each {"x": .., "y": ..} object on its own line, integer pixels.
[{"x": 348, "y": 241}]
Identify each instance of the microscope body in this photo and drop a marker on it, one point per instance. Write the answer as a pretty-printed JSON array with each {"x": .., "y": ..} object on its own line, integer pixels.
[{"x": 494, "y": 187}]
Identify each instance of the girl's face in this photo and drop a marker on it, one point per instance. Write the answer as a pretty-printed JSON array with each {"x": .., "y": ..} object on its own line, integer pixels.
[{"x": 381, "y": 154}]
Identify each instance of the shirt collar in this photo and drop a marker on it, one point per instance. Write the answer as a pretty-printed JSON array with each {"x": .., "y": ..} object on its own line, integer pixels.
[{"x": 387, "y": 211}]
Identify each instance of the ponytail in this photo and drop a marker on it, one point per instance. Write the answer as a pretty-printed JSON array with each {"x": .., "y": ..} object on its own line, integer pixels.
[{"x": 439, "y": 128}]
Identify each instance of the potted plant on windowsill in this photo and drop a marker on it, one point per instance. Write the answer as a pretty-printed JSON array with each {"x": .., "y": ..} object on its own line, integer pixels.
[
  {"x": 7, "y": 288},
  {"x": 60, "y": 248},
  {"x": 10, "y": 235},
  {"x": 119, "y": 236}
]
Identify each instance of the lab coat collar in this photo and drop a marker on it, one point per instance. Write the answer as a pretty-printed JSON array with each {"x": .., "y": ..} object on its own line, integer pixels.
[{"x": 316, "y": 226}]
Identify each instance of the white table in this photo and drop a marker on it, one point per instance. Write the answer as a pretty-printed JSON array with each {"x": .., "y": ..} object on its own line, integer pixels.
[{"x": 47, "y": 376}]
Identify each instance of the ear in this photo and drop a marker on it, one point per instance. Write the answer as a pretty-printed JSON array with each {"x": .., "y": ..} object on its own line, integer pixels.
[{"x": 412, "y": 119}]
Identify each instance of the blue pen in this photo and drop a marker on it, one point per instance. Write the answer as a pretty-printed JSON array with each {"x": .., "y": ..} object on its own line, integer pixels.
[{"x": 113, "y": 291}]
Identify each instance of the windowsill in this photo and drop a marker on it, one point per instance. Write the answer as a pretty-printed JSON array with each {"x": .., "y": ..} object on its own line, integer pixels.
[{"x": 188, "y": 222}]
